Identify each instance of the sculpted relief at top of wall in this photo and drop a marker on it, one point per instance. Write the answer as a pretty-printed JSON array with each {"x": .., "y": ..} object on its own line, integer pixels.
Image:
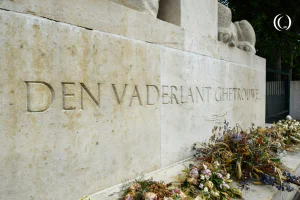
[
  {"x": 145, "y": 6},
  {"x": 240, "y": 34}
]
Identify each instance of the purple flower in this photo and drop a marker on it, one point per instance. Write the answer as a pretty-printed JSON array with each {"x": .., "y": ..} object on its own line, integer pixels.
[{"x": 236, "y": 137}]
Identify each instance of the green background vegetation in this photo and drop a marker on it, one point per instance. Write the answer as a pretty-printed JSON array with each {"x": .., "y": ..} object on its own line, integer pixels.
[{"x": 280, "y": 48}]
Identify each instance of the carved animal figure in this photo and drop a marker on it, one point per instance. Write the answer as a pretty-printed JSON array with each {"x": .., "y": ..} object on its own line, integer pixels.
[
  {"x": 240, "y": 34},
  {"x": 145, "y": 6}
]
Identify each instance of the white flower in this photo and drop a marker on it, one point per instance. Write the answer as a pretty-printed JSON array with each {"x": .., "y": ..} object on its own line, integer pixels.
[
  {"x": 228, "y": 176},
  {"x": 215, "y": 193},
  {"x": 204, "y": 166},
  {"x": 224, "y": 185},
  {"x": 278, "y": 145},
  {"x": 216, "y": 164},
  {"x": 205, "y": 189},
  {"x": 201, "y": 186},
  {"x": 202, "y": 177},
  {"x": 289, "y": 117}
]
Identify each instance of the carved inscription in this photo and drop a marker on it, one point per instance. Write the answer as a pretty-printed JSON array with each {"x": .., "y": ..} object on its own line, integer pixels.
[
  {"x": 41, "y": 86},
  {"x": 131, "y": 95}
]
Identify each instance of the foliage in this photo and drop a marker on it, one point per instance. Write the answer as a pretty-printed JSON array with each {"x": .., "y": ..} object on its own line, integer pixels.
[
  {"x": 280, "y": 48},
  {"x": 230, "y": 153},
  {"x": 289, "y": 129},
  {"x": 253, "y": 154},
  {"x": 209, "y": 181},
  {"x": 149, "y": 189}
]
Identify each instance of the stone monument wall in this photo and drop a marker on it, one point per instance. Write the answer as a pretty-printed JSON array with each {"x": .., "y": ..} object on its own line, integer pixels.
[{"x": 94, "y": 93}]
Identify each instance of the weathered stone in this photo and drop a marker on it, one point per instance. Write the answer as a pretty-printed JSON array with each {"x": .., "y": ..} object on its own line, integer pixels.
[
  {"x": 145, "y": 6},
  {"x": 83, "y": 110},
  {"x": 135, "y": 25},
  {"x": 224, "y": 16},
  {"x": 64, "y": 114},
  {"x": 75, "y": 144},
  {"x": 196, "y": 16},
  {"x": 240, "y": 34}
]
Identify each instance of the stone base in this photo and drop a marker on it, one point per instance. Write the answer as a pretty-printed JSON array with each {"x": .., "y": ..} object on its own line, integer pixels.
[
  {"x": 169, "y": 174},
  {"x": 97, "y": 99}
]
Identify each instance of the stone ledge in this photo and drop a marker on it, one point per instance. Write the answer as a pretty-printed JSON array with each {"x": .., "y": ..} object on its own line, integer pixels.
[
  {"x": 97, "y": 15},
  {"x": 168, "y": 174}
]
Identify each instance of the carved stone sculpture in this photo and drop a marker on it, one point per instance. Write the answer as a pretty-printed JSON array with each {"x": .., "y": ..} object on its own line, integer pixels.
[
  {"x": 145, "y": 6},
  {"x": 240, "y": 34}
]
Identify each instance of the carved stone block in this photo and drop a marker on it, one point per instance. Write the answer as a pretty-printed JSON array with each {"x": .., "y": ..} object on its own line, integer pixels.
[{"x": 240, "y": 34}]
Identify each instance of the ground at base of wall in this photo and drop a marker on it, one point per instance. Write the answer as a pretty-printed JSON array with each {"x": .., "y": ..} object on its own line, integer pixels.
[{"x": 262, "y": 192}]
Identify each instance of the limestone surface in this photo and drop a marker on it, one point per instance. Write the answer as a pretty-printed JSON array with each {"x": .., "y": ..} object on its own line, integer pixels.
[
  {"x": 197, "y": 16},
  {"x": 138, "y": 26},
  {"x": 240, "y": 34},
  {"x": 87, "y": 104},
  {"x": 145, "y": 6}
]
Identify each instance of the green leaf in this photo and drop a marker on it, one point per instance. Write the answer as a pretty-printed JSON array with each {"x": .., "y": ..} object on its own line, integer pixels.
[{"x": 275, "y": 159}]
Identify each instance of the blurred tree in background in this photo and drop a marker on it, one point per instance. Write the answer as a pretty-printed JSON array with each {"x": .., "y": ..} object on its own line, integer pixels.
[{"x": 280, "y": 48}]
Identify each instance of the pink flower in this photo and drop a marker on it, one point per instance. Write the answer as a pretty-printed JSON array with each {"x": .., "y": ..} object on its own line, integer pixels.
[
  {"x": 219, "y": 175},
  {"x": 207, "y": 172},
  {"x": 176, "y": 190},
  {"x": 128, "y": 197},
  {"x": 194, "y": 172}
]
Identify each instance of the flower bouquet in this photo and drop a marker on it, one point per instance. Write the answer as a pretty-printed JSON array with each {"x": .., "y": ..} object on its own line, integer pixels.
[
  {"x": 209, "y": 181},
  {"x": 151, "y": 190},
  {"x": 252, "y": 154}
]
